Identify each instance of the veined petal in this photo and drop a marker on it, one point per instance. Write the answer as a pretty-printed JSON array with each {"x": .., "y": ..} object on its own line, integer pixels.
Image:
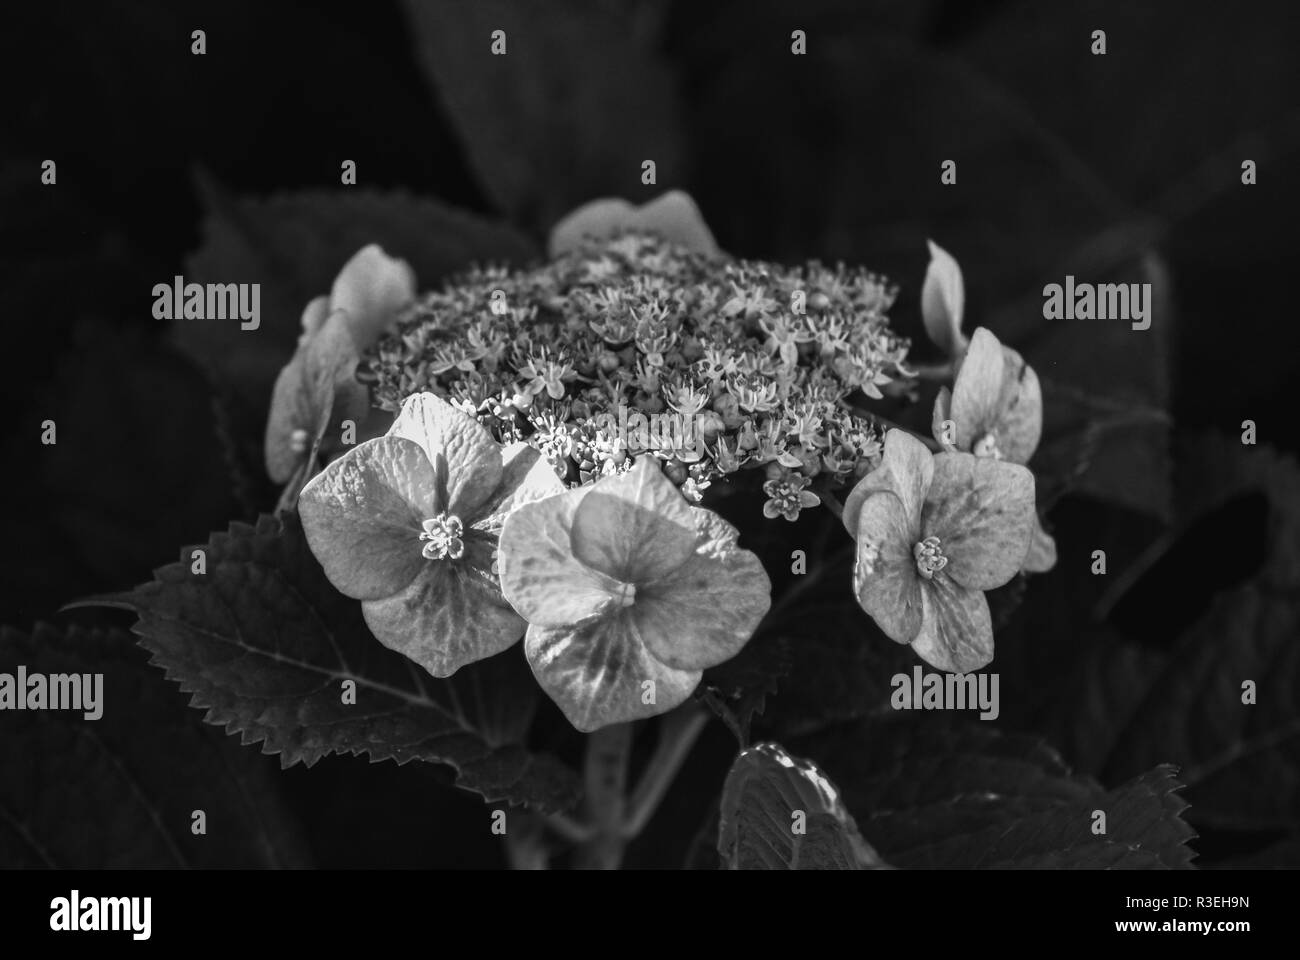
[
  {"x": 704, "y": 611},
  {"x": 362, "y": 517},
  {"x": 906, "y": 470},
  {"x": 540, "y": 576},
  {"x": 372, "y": 287},
  {"x": 943, "y": 300},
  {"x": 1020, "y": 418},
  {"x": 977, "y": 389},
  {"x": 956, "y": 629},
  {"x": 599, "y": 672},
  {"x": 448, "y": 617},
  {"x": 885, "y": 577},
  {"x": 458, "y": 446},
  {"x": 635, "y": 527},
  {"x": 525, "y": 476},
  {"x": 1042, "y": 550},
  {"x": 982, "y": 511}
]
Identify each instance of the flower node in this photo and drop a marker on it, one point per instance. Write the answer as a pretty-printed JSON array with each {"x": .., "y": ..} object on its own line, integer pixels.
[
  {"x": 929, "y": 560},
  {"x": 443, "y": 534}
]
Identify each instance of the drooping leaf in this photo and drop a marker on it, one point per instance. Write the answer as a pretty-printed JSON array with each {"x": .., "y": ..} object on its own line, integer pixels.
[
  {"x": 266, "y": 646},
  {"x": 294, "y": 244},
  {"x": 782, "y": 813},
  {"x": 929, "y": 792},
  {"x": 120, "y": 791},
  {"x": 567, "y": 113}
]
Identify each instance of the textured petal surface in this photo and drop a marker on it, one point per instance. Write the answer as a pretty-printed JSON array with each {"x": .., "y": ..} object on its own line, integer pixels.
[
  {"x": 956, "y": 629},
  {"x": 635, "y": 527},
  {"x": 540, "y": 576},
  {"x": 704, "y": 611},
  {"x": 525, "y": 476},
  {"x": 943, "y": 300},
  {"x": 885, "y": 577},
  {"x": 372, "y": 287},
  {"x": 451, "y": 615},
  {"x": 982, "y": 511},
  {"x": 978, "y": 389},
  {"x": 458, "y": 446},
  {"x": 673, "y": 216},
  {"x": 599, "y": 672},
  {"x": 362, "y": 517},
  {"x": 1020, "y": 418},
  {"x": 906, "y": 469}
]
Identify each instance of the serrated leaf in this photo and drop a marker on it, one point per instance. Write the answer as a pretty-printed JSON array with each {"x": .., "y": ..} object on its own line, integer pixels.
[
  {"x": 119, "y": 791},
  {"x": 264, "y": 644},
  {"x": 929, "y": 792},
  {"x": 569, "y": 112},
  {"x": 782, "y": 813},
  {"x": 294, "y": 244}
]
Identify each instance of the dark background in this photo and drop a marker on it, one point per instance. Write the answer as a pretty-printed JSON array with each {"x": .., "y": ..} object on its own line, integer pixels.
[{"x": 834, "y": 155}]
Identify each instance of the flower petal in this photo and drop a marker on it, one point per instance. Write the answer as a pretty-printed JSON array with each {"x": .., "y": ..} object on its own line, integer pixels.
[
  {"x": 450, "y": 615},
  {"x": 942, "y": 413},
  {"x": 372, "y": 287},
  {"x": 313, "y": 318},
  {"x": 540, "y": 576},
  {"x": 636, "y": 526},
  {"x": 1042, "y": 550},
  {"x": 673, "y": 216},
  {"x": 705, "y": 610},
  {"x": 978, "y": 389},
  {"x": 943, "y": 300},
  {"x": 525, "y": 476},
  {"x": 885, "y": 577},
  {"x": 597, "y": 671},
  {"x": 956, "y": 628},
  {"x": 1020, "y": 417},
  {"x": 906, "y": 469},
  {"x": 982, "y": 511},
  {"x": 458, "y": 445},
  {"x": 362, "y": 516}
]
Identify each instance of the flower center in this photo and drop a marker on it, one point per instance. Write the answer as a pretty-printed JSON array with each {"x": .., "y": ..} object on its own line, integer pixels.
[
  {"x": 929, "y": 560},
  {"x": 298, "y": 441},
  {"x": 625, "y": 594},
  {"x": 987, "y": 446},
  {"x": 443, "y": 534}
]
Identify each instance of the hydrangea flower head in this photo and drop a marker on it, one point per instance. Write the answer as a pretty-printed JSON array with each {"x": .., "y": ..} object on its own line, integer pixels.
[
  {"x": 318, "y": 385},
  {"x": 934, "y": 531},
  {"x": 995, "y": 410},
  {"x": 408, "y": 523},
  {"x": 629, "y": 593}
]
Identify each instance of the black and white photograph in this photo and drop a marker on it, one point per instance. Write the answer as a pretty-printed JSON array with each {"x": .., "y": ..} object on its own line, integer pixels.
[{"x": 650, "y": 435}]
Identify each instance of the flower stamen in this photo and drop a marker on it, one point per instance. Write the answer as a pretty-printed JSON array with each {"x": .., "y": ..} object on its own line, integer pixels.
[
  {"x": 444, "y": 536},
  {"x": 987, "y": 446},
  {"x": 929, "y": 560}
]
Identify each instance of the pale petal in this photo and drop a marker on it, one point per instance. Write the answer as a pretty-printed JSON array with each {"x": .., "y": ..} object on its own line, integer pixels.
[
  {"x": 362, "y": 517},
  {"x": 673, "y": 216},
  {"x": 956, "y": 630},
  {"x": 372, "y": 287},
  {"x": 525, "y": 476},
  {"x": 978, "y": 388},
  {"x": 982, "y": 511},
  {"x": 885, "y": 577},
  {"x": 704, "y": 611},
  {"x": 636, "y": 526},
  {"x": 599, "y": 672},
  {"x": 458, "y": 446},
  {"x": 313, "y": 318},
  {"x": 943, "y": 412},
  {"x": 906, "y": 468},
  {"x": 293, "y": 407},
  {"x": 943, "y": 301},
  {"x": 1020, "y": 418},
  {"x": 448, "y": 617},
  {"x": 540, "y": 576},
  {"x": 1042, "y": 550}
]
